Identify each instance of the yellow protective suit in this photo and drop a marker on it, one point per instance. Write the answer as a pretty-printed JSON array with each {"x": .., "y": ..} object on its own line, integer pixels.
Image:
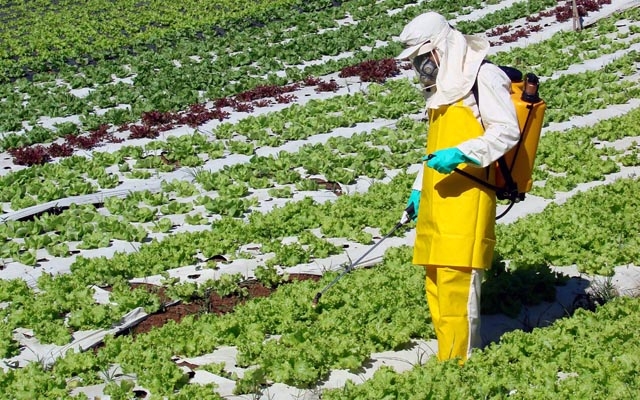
[
  {"x": 455, "y": 235},
  {"x": 453, "y": 295},
  {"x": 456, "y": 218}
]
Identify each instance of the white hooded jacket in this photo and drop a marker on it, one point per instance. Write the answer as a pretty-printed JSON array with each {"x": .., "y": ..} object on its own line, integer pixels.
[{"x": 461, "y": 58}]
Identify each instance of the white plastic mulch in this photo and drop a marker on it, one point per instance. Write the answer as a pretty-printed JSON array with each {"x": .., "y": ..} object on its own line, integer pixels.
[{"x": 626, "y": 279}]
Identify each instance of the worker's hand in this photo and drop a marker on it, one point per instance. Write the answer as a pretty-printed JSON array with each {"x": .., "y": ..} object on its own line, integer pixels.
[
  {"x": 414, "y": 200},
  {"x": 411, "y": 212},
  {"x": 446, "y": 160}
]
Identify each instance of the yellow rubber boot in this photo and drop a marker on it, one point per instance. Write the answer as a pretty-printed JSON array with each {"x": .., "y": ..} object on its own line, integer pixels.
[{"x": 453, "y": 295}]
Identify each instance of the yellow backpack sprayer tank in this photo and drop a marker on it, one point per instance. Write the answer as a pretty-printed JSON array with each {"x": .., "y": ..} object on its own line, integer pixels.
[
  {"x": 514, "y": 170},
  {"x": 530, "y": 110}
]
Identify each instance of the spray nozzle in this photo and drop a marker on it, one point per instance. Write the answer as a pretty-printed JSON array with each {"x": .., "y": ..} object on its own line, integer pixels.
[
  {"x": 408, "y": 214},
  {"x": 316, "y": 299}
]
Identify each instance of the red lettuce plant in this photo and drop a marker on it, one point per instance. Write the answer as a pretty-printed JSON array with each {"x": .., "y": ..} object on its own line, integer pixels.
[
  {"x": 535, "y": 28},
  {"x": 520, "y": 33},
  {"x": 224, "y": 102},
  {"x": 32, "y": 155},
  {"x": 565, "y": 12},
  {"x": 372, "y": 70},
  {"x": 311, "y": 81},
  {"x": 285, "y": 98},
  {"x": 123, "y": 127},
  {"x": 324, "y": 86},
  {"x": 60, "y": 150},
  {"x": 219, "y": 114},
  {"x": 153, "y": 118},
  {"x": 261, "y": 92},
  {"x": 94, "y": 139},
  {"x": 500, "y": 30},
  {"x": 103, "y": 135},
  {"x": 81, "y": 142},
  {"x": 143, "y": 131},
  {"x": 243, "y": 107},
  {"x": 198, "y": 114},
  {"x": 262, "y": 103}
]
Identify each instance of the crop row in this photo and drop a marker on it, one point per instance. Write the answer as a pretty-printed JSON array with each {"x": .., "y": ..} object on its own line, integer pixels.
[
  {"x": 290, "y": 340},
  {"x": 177, "y": 80},
  {"x": 590, "y": 160},
  {"x": 347, "y": 326},
  {"x": 390, "y": 101},
  {"x": 591, "y": 355},
  {"x": 103, "y": 271},
  {"x": 139, "y": 31},
  {"x": 567, "y": 96},
  {"x": 567, "y": 48},
  {"x": 557, "y": 97},
  {"x": 48, "y": 94},
  {"x": 66, "y": 33},
  {"x": 355, "y": 156},
  {"x": 289, "y": 358},
  {"x": 344, "y": 218}
]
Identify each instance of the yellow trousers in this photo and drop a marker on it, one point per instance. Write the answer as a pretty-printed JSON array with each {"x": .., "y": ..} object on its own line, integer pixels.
[{"x": 453, "y": 296}]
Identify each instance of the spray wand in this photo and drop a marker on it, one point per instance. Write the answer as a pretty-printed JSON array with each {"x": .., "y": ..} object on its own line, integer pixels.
[{"x": 407, "y": 216}]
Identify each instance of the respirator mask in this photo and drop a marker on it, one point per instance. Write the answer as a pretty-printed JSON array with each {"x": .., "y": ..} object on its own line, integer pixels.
[{"x": 427, "y": 69}]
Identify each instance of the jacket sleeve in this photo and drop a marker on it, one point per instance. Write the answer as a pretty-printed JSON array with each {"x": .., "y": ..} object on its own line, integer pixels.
[{"x": 498, "y": 115}]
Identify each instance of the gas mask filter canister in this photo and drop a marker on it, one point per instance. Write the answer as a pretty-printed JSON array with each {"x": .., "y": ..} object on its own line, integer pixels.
[{"x": 427, "y": 69}]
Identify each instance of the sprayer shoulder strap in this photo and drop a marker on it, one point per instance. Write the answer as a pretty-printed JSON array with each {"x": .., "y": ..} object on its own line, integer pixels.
[{"x": 474, "y": 88}]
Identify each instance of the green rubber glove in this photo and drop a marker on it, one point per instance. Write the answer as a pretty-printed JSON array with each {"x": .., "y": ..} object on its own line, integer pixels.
[
  {"x": 414, "y": 200},
  {"x": 446, "y": 160}
]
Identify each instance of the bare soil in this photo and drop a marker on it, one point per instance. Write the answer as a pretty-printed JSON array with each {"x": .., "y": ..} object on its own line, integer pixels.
[{"x": 198, "y": 306}]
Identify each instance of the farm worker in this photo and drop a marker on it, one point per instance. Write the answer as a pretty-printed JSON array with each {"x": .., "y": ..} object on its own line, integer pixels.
[{"x": 455, "y": 216}]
